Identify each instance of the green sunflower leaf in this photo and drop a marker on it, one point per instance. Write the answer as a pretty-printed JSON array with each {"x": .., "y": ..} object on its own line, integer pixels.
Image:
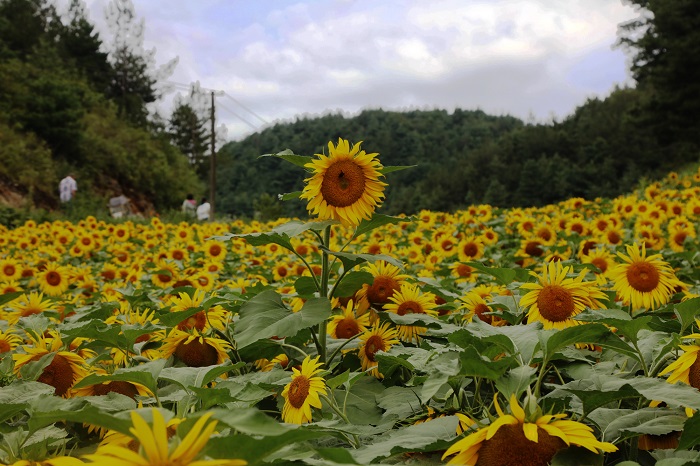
[
  {"x": 265, "y": 316},
  {"x": 281, "y": 234},
  {"x": 145, "y": 374},
  {"x": 378, "y": 220},
  {"x": 395, "y": 168},
  {"x": 690, "y": 437},
  {"x": 7, "y": 297},
  {"x": 351, "y": 261},
  {"x": 290, "y": 156},
  {"x": 289, "y": 196},
  {"x": 687, "y": 311}
]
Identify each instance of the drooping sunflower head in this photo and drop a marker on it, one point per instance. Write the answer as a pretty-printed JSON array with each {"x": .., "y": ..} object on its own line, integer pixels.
[
  {"x": 644, "y": 281},
  {"x": 686, "y": 368},
  {"x": 526, "y": 439},
  {"x": 345, "y": 185}
]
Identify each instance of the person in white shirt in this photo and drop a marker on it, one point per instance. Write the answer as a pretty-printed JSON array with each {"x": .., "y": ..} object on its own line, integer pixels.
[
  {"x": 67, "y": 188},
  {"x": 204, "y": 210}
]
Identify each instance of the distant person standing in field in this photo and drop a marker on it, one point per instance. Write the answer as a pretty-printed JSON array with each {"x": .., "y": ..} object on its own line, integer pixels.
[
  {"x": 189, "y": 205},
  {"x": 204, "y": 210},
  {"x": 67, "y": 188}
]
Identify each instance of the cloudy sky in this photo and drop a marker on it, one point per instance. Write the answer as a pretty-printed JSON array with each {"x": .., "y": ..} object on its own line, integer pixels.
[{"x": 279, "y": 59}]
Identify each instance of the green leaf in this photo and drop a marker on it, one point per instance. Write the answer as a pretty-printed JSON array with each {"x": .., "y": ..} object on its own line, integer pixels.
[
  {"x": 145, "y": 374},
  {"x": 516, "y": 381},
  {"x": 265, "y": 316},
  {"x": 281, "y": 234},
  {"x": 7, "y": 297},
  {"x": 45, "y": 411},
  {"x": 474, "y": 365},
  {"x": 377, "y": 220},
  {"x": 305, "y": 286},
  {"x": 395, "y": 168},
  {"x": 595, "y": 333},
  {"x": 33, "y": 370},
  {"x": 289, "y": 196},
  {"x": 687, "y": 311},
  {"x": 439, "y": 371},
  {"x": 338, "y": 380},
  {"x": 432, "y": 435},
  {"x": 256, "y": 449},
  {"x": 690, "y": 437},
  {"x": 352, "y": 282},
  {"x": 197, "y": 376},
  {"x": 290, "y": 156},
  {"x": 502, "y": 275},
  {"x": 250, "y": 421},
  {"x": 351, "y": 261}
]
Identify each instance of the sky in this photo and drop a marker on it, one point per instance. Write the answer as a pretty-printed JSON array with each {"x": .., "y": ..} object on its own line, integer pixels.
[{"x": 276, "y": 60}]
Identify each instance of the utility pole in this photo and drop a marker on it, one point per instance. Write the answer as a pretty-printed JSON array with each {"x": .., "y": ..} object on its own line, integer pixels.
[{"x": 212, "y": 161}]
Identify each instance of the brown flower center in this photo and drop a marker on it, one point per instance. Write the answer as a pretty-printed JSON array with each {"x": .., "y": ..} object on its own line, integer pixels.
[
  {"x": 481, "y": 310},
  {"x": 614, "y": 237},
  {"x": 198, "y": 321},
  {"x": 53, "y": 278},
  {"x": 509, "y": 446},
  {"x": 298, "y": 391},
  {"x": 382, "y": 288},
  {"x": 470, "y": 249},
  {"x": 464, "y": 270},
  {"x": 601, "y": 263},
  {"x": 58, "y": 374},
  {"x": 545, "y": 234},
  {"x": 679, "y": 238},
  {"x": 4, "y": 346},
  {"x": 178, "y": 255},
  {"x": 124, "y": 388},
  {"x": 9, "y": 270},
  {"x": 694, "y": 374},
  {"x": 347, "y": 328},
  {"x": 410, "y": 307},
  {"x": 643, "y": 276},
  {"x": 374, "y": 344},
  {"x": 214, "y": 250},
  {"x": 164, "y": 278},
  {"x": 532, "y": 248},
  {"x": 196, "y": 353},
  {"x": 555, "y": 303},
  {"x": 343, "y": 183}
]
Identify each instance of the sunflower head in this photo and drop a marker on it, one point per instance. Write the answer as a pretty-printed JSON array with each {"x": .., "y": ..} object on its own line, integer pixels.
[
  {"x": 303, "y": 392},
  {"x": 344, "y": 185}
]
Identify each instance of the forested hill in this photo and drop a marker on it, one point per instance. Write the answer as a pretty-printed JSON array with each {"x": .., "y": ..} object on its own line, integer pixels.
[{"x": 462, "y": 158}]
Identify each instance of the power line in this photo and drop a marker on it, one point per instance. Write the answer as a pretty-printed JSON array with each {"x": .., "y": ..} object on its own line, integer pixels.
[
  {"x": 238, "y": 116},
  {"x": 246, "y": 108}
]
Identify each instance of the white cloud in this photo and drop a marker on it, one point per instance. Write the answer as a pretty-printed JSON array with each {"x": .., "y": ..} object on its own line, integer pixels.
[{"x": 286, "y": 58}]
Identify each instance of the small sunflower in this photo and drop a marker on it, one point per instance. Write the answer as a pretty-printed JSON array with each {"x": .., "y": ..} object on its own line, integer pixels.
[
  {"x": 643, "y": 281},
  {"x": 53, "y": 280},
  {"x": 380, "y": 337},
  {"x": 10, "y": 269},
  {"x": 266, "y": 365},
  {"x": 347, "y": 324},
  {"x": 513, "y": 439},
  {"x": 303, "y": 392},
  {"x": 556, "y": 299},
  {"x": 9, "y": 341},
  {"x": 410, "y": 300},
  {"x": 155, "y": 450},
  {"x": 387, "y": 280},
  {"x": 215, "y": 316},
  {"x": 28, "y": 304},
  {"x": 345, "y": 184},
  {"x": 195, "y": 350},
  {"x": 476, "y": 306},
  {"x": 470, "y": 248}
]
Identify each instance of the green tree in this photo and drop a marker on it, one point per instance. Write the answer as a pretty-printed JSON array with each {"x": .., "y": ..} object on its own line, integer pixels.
[
  {"x": 188, "y": 132},
  {"x": 664, "y": 42}
]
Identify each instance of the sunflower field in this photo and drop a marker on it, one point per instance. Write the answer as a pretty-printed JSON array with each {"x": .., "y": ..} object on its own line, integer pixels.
[{"x": 562, "y": 335}]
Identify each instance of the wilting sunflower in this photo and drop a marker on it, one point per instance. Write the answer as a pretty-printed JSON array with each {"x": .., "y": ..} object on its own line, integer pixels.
[
  {"x": 65, "y": 369},
  {"x": 155, "y": 449},
  {"x": 643, "y": 282},
  {"x": 53, "y": 280},
  {"x": 556, "y": 298},
  {"x": 523, "y": 440},
  {"x": 380, "y": 337},
  {"x": 410, "y": 300},
  {"x": 347, "y": 324},
  {"x": 303, "y": 392},
  {"x": 195, "y": 350},
  {"x": 345, "y": 184}
]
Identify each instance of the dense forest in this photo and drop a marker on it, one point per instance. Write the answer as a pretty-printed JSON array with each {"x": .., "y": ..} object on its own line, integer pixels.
[{"x": 73, "y": 101}]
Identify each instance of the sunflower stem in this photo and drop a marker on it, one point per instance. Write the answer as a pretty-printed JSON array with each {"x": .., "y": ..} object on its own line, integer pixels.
[
  {"x": 337, "y": 350},
  {"x": 323, "y": 292}
]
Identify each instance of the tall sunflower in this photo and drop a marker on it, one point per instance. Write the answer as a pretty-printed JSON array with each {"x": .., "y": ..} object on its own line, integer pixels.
[
  {"x": 381, "y": 337},
  {"x": 155, "y": 450},
  {"x": 643, "y": 281},
  {"x": 524, "y": 440},
  {"x": 410, "y": 300},
  {"x": 556, "y": 298},
  {"x": 345, "y": 184},
  {"x": 303, "y": 392}
]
